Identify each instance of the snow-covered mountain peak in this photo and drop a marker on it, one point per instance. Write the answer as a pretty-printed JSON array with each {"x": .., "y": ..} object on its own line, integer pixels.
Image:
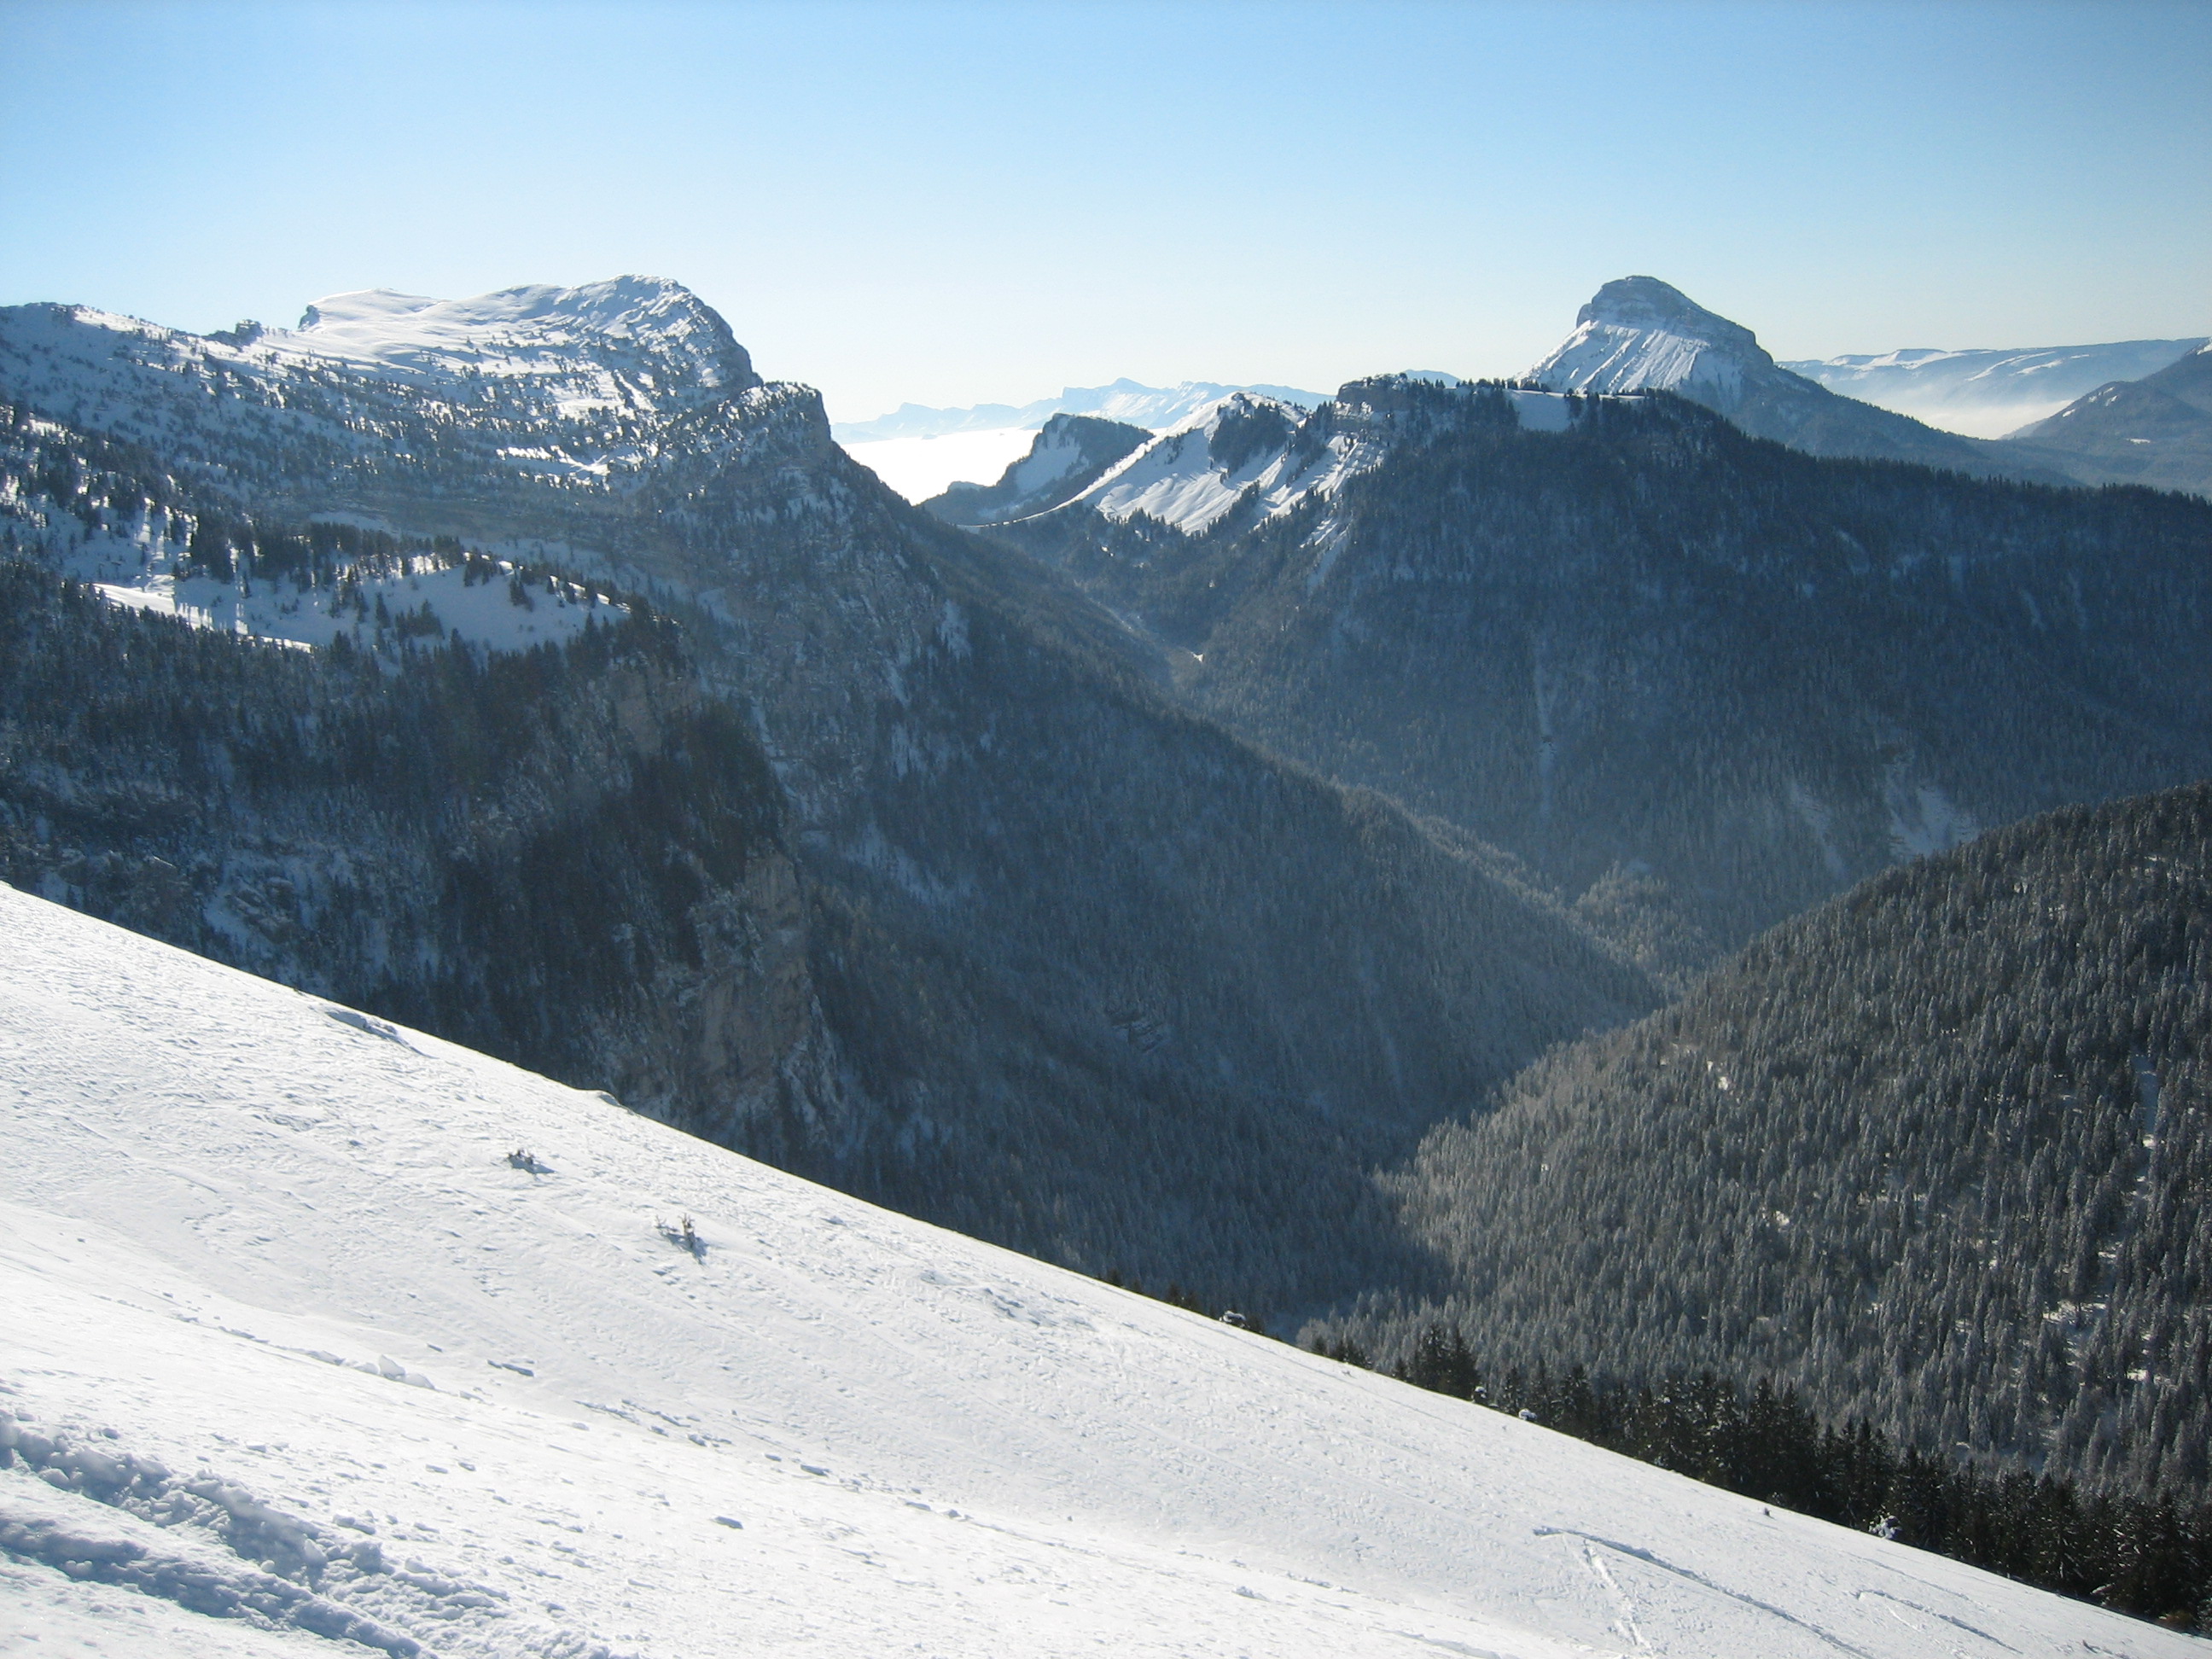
[
  {"x": 649, "y": 324},
  {"x": 629, "y": 348},
  {"x": 1647, "y": 303},
  {"x": 1639, "y": 334}
]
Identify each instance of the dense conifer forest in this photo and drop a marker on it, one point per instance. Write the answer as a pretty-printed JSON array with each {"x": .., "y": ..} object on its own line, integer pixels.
[
  {"x": 551, "y": 855},
  {"x": 1939, "y": 1152},
  {"x": 2150, "y": 1554}
]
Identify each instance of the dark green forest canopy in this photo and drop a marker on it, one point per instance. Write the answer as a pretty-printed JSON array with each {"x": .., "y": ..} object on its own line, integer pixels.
[{"x": 1940, "y": 1152}]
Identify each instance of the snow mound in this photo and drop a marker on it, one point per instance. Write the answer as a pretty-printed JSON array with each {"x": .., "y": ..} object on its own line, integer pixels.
[{"x": 228, "y": 1217}]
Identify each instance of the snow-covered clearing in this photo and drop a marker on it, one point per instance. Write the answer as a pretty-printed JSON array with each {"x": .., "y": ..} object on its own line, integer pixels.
[
  {"x": 496, "y": 603},
  {"x": 311, "y": 1359}
]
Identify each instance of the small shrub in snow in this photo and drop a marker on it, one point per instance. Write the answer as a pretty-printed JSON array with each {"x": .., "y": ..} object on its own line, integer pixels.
[{"x": 684, "y": 1236}]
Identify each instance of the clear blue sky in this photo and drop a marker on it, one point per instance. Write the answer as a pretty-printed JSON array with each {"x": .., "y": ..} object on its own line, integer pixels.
[{"x": 952, "y": 203}]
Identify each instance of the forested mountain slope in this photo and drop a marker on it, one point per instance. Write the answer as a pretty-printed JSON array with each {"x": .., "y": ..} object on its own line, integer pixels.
[
  {"x": 1698, "y": 681},
  {"x": 1102, "y": 982},
  {"x": 1939, "y": 1152},
  {"x": 2156, "y": 430},
  {"x": 568, "y": 853}
]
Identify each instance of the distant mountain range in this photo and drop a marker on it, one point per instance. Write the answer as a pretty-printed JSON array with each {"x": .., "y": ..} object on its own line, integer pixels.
[
  {"x": 1990, "y": 394},
  {"x": 2156, "y": 431},
  {"x": 1155, "y": 408},
  {"x": 1934, "y": 407}
]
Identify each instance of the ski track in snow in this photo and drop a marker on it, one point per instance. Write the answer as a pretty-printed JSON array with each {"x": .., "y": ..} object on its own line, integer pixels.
[{"x": 301, "y": 1359}]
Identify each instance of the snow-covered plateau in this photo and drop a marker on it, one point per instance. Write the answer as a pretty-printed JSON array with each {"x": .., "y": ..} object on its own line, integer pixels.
[{"x": 325, "y": 1335}]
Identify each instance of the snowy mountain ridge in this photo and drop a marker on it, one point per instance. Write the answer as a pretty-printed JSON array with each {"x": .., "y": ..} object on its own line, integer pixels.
[
  {"x": 633, "y": 341},
  {"x": 1066, "y": 458},
  {"x": 675, "y": 340},
  {"x": 1984, "y": 393},
  {"x": 911, "y": 690},
  {"x": 583, "y": 389},
  {"x": 922, "y": 453},
  {"x": 1264, "y": 458},
  {"x": 297, "y": 1355},
  {"x": 1132, "y": 404}
]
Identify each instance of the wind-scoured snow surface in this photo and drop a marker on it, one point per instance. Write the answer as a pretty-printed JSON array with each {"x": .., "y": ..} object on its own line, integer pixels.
[
  {"x": 327, "y": 1337},
  {"x": 1987, "y": 394}
]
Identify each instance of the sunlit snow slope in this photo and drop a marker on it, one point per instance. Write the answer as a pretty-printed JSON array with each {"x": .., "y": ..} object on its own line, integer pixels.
[{"x": 291, "y": 1337}]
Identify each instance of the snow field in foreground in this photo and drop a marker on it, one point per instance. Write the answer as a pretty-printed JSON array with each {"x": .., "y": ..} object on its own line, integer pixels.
[{"x": 291, "y": 1340}]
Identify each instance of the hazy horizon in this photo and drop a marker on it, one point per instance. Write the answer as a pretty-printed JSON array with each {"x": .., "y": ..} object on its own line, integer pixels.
[{"x": 954, "y": 204}]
